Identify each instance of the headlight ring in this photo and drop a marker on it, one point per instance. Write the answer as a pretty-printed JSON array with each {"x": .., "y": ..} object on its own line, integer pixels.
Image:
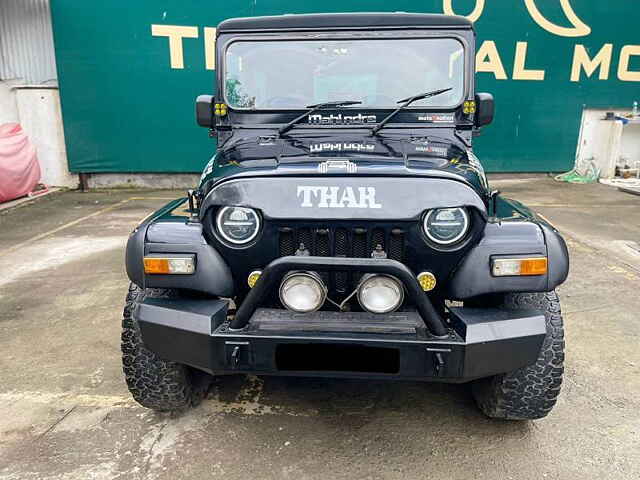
[
  {"x": 446, "y": 226},
  {"x": 237, "y": 225}
]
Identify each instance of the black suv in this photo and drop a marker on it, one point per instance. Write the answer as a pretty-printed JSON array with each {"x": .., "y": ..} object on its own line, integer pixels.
[{"x": 344, "y": 226}]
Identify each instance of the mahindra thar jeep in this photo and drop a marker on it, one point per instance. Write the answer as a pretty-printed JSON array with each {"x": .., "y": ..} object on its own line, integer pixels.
[{"x": 344, "y": 226}]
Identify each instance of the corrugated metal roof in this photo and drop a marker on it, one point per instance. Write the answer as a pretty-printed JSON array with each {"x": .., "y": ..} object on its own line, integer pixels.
[{"x": 26, "y": 42}]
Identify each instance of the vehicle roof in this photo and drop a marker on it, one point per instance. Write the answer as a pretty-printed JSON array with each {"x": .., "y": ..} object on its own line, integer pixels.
[{"x": 342, "y": 21}]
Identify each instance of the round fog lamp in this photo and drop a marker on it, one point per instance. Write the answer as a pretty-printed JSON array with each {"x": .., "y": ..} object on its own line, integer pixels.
[
  {"x": 253, "y": 278},
  {"x": 302, "y": 292},
  {"x": 427, "y": 281},
  {"x": 380, "y": 294}
]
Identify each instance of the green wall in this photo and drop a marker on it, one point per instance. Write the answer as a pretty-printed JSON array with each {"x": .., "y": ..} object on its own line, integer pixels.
[{"x": 127, "y": 110}]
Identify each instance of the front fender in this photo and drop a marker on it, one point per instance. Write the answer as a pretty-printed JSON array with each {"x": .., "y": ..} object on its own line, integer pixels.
[
  {"x": 510, "y": 238},
  {"x": 170, "y": 230}
]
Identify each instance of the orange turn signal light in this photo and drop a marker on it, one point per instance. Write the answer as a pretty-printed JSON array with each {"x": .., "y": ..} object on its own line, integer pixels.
[
  {"x": 533, "y": 266},
  {"x": 169, "y": 265},
  {"x": 507, "y": 267},
  {"x": 156, "y": 265}
]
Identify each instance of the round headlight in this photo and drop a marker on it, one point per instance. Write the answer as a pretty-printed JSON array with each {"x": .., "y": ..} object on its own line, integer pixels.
[
  {"x": 302, "y": 292},
  {"x": 446, "y": 225},
  {"x": 238, "y": 224},
  {"x": 380, "y": 293}
]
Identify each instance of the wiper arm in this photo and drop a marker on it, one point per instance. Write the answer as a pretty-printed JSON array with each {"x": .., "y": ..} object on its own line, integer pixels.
[
  {"x": 405, "y": 103},
  {"x": 314, "y": 108}
]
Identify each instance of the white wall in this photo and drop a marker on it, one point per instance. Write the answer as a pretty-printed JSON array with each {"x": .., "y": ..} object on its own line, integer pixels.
[
  {"x": 28, "y": 84},
  {"x": 607, "y": 141},
  {"x": 41, "y": 118},
  {"x": 8, "y": 106},
  {"x": 630, "y": 144}
]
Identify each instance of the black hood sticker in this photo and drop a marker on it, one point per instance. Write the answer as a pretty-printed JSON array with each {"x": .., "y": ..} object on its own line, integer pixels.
[{"x": 349, "y": 197}]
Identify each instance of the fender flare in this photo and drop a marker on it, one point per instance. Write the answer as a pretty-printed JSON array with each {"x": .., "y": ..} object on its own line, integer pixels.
[
  {"x": 510, "y": 238},
  {"x": 212, "y": 276}
]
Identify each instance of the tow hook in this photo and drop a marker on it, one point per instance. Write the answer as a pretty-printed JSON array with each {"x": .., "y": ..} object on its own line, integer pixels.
[
  {"x": 235, "y": 356},
  {"x": 438, "y": 359},
  {"x": 238, "y": 354},
  {"x": 439, "y": 362}
]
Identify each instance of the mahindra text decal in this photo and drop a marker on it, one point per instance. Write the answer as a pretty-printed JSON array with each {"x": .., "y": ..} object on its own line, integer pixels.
[
  {"x": 337, "y": 197},
  {"x": 341, "y": 147},
  {"x": 340, "y": 119}
]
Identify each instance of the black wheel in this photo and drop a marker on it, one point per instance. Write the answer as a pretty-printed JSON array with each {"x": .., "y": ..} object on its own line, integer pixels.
[
  {"x": 530, "y": 392},
  {"x": 156, "y": 383}
]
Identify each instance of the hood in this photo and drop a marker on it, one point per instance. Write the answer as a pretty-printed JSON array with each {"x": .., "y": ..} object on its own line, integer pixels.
[{"x": 340, "y": 155}]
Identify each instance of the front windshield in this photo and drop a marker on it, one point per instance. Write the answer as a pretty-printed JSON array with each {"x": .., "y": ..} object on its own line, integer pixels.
[{"x": 292, "y": 74}]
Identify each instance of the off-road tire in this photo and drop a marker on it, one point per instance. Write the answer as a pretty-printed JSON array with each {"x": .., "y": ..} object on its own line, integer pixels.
[
  {"x": 531, "y": 392},
  {"x": 156, "y": 383}
]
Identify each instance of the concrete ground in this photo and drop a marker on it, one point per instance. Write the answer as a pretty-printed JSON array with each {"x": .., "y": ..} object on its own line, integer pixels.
[{"x": 65, "y": 411}]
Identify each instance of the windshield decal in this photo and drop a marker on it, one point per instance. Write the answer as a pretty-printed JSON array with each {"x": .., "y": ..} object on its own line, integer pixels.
[
  {"x": 340, "y": 119},
  {"x": 436, "y": 118}
]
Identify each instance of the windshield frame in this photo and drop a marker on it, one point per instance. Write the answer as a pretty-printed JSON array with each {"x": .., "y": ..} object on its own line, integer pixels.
[{"x": 335, "y": 36}]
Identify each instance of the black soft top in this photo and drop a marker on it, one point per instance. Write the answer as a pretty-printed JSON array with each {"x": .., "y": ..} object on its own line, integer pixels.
[{"x": 343, "y": 21}]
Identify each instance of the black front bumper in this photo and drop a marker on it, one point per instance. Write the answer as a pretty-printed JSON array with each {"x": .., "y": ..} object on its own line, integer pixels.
[
  {"x": 479, "y": 342},
  {"x": 273, "y": 273}
]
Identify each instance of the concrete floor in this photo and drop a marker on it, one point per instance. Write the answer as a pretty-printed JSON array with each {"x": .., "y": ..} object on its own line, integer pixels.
[{"x": 65, "y": 411}]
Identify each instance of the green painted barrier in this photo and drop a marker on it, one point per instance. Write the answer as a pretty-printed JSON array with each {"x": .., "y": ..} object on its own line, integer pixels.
[{"x": 129, "y": 73}]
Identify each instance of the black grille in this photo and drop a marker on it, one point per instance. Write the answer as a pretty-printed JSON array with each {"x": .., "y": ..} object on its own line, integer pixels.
[
  {"x": 359, "y": 236},
  {"x": 287, "y": 242},
  {"x": 356, "y": 242},
  {"x": 396, "y": 244},
  {"x": 341, "y": 249},
  {"x": 323, "y": 247},
  {"x": 304, "y": 237},
  {"x": 378, "y": 238}
]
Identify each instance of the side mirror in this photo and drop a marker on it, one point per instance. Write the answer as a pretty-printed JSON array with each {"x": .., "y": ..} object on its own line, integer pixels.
[
  {"x": 484, "y": 109},
  {"x": 204, "y": 111}
]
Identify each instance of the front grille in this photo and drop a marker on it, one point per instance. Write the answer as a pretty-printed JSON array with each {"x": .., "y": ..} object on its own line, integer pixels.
[{"x": 356, "y": 242}]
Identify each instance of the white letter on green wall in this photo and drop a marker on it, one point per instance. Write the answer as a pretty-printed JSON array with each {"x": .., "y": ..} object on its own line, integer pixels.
[
  {"x": 623, "y": 67},
  {"x": 175, "y": 33},
  {"x": 520, "y": 72},
  {"x": 488, "y": 60},
  {"x": 210, "y": 47},
  {"x": 581, "y": 60}
]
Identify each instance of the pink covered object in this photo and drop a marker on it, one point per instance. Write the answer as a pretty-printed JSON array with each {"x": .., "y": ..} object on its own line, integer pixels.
[{"x": 19, "y": 168}]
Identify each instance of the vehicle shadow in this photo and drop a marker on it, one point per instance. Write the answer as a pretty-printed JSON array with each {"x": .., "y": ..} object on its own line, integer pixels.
[{"x": 355, "y": 402}]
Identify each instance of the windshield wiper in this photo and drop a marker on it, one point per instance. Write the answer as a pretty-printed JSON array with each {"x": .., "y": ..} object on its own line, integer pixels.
[
  {"x": 314, "y": 108},
  {"x": 405, "y": 103}
]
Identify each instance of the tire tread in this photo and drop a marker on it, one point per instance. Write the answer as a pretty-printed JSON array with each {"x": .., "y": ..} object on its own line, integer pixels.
[
  {"x": 155, "y": 383},
  {"x": 530, "y": 392}
]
